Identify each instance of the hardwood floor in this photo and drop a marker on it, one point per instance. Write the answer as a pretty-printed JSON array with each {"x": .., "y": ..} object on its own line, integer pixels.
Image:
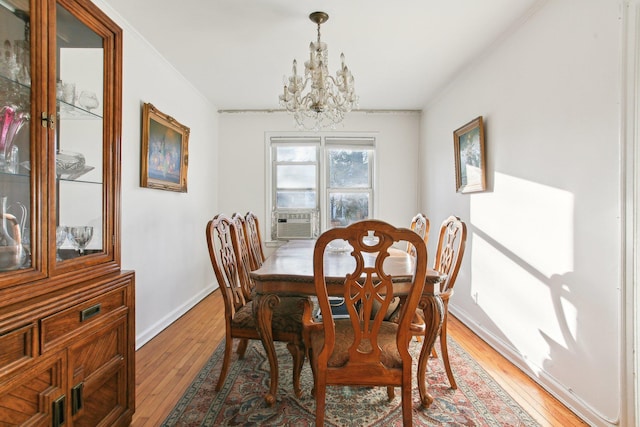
[{"x": 166, "y": 365}]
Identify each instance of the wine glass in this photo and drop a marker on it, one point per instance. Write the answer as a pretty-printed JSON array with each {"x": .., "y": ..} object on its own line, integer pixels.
[
  {"x": 80, "y": 236},
  {"x": 61, "y": 237},
  {"x": 88, "y": 100}
]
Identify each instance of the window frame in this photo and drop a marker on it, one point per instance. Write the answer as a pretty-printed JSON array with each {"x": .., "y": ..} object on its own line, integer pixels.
[
  {"x": 347, "y": 144},
  {"x": 324, "y": 142},
  {"x": 273, "y": 165}
]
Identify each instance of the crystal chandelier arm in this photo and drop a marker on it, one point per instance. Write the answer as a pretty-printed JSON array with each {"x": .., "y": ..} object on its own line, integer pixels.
[{"x": 328, "y": 98}]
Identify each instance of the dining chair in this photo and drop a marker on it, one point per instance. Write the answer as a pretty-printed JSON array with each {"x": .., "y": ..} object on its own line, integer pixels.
[
  {"x": 254, "y": 240},
  {"x": 420, "y": 225},
  {"x": 243, "y": 256},
  {"x": 448, "y": 258},
  {"x": 222, "y": 238},
  {"x": 363, "y": 349}
]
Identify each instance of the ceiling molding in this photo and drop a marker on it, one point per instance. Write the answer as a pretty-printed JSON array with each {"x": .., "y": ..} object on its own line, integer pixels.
[{"x": 363, "y": 111}]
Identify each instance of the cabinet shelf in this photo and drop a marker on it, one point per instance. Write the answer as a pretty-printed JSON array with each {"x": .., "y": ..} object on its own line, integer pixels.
[
  {"x": 66, "y": 176},
  {"x": 19, "y": 175},
  {"x": 80, "y": 181},
  {"x": 7, "y": 83},
  {"x": 68, "y": 111}
]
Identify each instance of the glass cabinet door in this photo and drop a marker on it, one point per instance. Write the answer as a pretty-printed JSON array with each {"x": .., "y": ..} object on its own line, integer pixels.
[
  {"x": 79, "y": 141},
  {"x": 16, "y": 210}
]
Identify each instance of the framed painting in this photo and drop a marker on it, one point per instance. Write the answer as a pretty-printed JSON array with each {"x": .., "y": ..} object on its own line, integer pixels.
[
  {"x": 468, "y": 143},
  {"x": 165, "y": 152}
]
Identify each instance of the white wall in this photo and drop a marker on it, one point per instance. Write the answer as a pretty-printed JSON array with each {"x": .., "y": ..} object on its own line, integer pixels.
[
  {"x": 631, "y": 145},
  {"x": 163, "y": 232},
  {"x": 242, "y": 160},
  {"x": 541, "y": 277}
]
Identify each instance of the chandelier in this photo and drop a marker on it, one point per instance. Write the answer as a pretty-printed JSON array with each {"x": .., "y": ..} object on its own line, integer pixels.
[{"x": 328, "y": 98}]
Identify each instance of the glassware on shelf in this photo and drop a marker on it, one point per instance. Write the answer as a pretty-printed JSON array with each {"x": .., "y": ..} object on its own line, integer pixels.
[
  {"x": 80, "y": 236},
  {"x": 88, "y": 100},
  {"x": 12, "y": 119},
  {"x": 71, "y": 165},
  {"x": 61, "y": 239},
  {"x": 22, "y": 54},
  {"x": 8, "y": 61},
  {"x": 69, "y": 161},
  {"x": 68, "y": 92},
  {"x": 12, "y": 254},
  {"x": 14, "y": 94},
  {"x": 15, "y": 61},
  {"x": 19, "y": 210},
  {"x": 21, "y": 214},
  {"x": 13, "y": 160}
]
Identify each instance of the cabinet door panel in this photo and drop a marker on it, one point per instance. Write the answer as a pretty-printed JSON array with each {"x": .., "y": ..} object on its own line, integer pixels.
[
  {"x": 98, "y": 368},
  {"x": 17, "y": 137},
  {"x": 28, "y": 398},
  {"x": 79, "y": 142}
]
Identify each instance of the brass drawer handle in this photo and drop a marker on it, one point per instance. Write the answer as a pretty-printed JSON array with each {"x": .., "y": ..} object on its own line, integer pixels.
[
  {"x": 58, "y": 408},
  {"x": 76, "y": 398},
  {"x": 88, "y": 313}
]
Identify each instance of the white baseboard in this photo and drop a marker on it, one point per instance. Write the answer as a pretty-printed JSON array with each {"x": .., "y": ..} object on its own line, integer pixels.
[{"x": 145, "y": 336}]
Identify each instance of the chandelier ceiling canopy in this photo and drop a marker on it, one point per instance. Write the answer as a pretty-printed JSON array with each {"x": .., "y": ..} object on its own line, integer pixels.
[{"x": 318, "y": 100}]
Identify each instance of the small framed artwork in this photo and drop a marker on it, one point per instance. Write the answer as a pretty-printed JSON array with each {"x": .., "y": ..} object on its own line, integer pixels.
[
  {"x": 468, "y": 144},
  {"x": 165, "y": 152}
]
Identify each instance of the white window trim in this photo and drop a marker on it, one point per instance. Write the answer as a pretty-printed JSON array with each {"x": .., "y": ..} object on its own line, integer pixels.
[{"x": 340, "y": 139}]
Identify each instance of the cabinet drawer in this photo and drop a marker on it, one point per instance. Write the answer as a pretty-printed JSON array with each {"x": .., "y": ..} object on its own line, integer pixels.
[
  {"x": 16, "y": 347},
  {"x": 66, "y": 323}
]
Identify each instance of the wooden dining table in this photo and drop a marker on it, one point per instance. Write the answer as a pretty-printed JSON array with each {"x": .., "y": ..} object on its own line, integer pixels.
[{"x": 288, "y": 271}]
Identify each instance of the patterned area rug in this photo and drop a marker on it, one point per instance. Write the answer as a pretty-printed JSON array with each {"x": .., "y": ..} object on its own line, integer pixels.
[{"x": 479, "y": 400}]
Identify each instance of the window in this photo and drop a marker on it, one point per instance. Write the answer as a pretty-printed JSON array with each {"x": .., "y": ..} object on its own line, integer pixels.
[
  {"x": 349, "y": 183},
  {"x": 333, "y": 177},
  {"x": 295, "y": 169}
]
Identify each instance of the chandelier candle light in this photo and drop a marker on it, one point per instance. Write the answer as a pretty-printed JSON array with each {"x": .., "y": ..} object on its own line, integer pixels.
[{"x": 328, "y": 98}]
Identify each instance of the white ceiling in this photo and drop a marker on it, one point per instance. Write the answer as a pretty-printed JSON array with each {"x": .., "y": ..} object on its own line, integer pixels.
[{"x": 401, "y": 52}]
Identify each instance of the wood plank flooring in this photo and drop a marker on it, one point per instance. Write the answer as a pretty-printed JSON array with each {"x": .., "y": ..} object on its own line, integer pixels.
[{"x": 166, "y": 365}]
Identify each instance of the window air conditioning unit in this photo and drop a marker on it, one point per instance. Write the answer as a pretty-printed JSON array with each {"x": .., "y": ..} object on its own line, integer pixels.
[{"x": 289, "y": 225}]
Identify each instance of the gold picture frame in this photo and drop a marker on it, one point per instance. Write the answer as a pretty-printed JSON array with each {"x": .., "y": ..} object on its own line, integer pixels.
[
  {"x": 469, "y": 156},
  {"x": 165, "y": 151}
]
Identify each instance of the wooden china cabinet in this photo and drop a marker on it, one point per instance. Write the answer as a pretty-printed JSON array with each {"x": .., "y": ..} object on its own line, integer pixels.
[{"x": 66, "y": 309}]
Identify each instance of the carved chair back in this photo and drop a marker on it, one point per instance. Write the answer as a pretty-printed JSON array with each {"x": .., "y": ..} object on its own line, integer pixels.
[
  {"x": 420, "y": 225},
  {"x": 220, "y": 232},
  {"x": 254, "y": 240},
  {"x": 243, "y": 256},
  {"x": 451, "y": 245}
]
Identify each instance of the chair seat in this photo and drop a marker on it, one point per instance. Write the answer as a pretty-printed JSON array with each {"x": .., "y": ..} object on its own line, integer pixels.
[
  {"x": 387, "y": 335},
  {"x": 287, "y": 316}
]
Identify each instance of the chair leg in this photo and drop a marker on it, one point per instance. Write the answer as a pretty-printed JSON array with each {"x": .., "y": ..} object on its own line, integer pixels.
[
  {"x": 242, "y": 347},
  {"x": 391, "y": 393},
  {"x": 228, "y": 349},
  {"x": 313, "y": 372},
  {"x": 407, "y": 405},
  {"x": 297, "y": 353},
  {"x": 321, "y": 394},
  {"x": 445, "y": 353}
]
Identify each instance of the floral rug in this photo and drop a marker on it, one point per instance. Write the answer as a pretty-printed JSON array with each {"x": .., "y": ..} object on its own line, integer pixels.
[{"x": 479, "y": 400}]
